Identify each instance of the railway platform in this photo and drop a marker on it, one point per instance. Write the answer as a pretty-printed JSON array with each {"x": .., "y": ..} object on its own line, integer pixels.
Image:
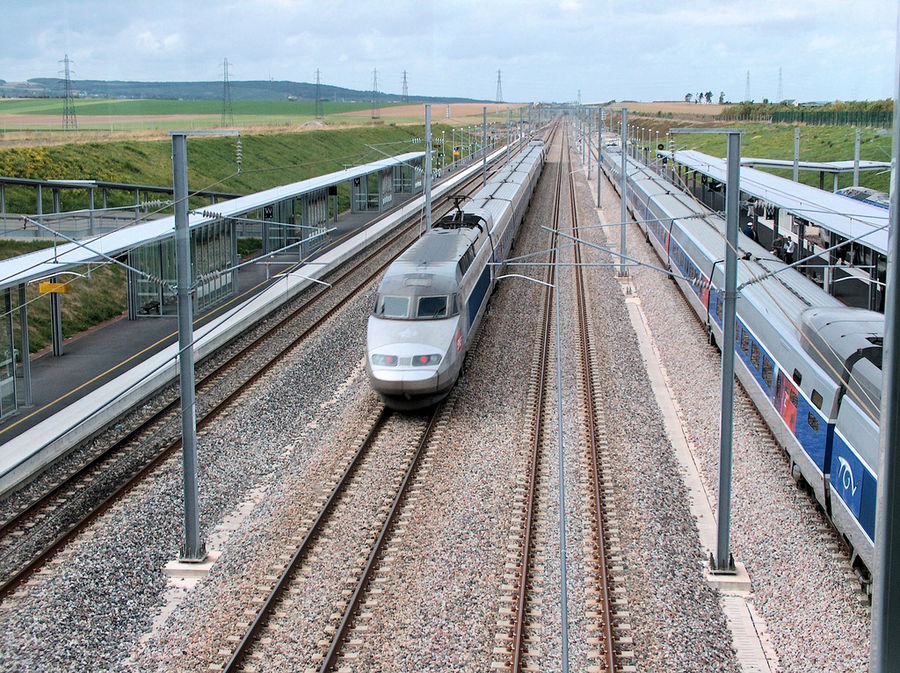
[{"x": 110, "y": 369}]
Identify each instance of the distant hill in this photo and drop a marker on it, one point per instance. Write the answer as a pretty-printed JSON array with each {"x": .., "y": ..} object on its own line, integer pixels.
[{"x": 52, "y": 87}]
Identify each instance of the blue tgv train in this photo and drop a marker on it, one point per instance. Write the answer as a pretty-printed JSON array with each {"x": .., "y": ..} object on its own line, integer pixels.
[
  {"x": 811, "y": 365},
  {"x": 433, "y": 296}
]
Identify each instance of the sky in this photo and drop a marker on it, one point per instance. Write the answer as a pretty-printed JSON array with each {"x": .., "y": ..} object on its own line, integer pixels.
[{"x": 545, "y": 50}]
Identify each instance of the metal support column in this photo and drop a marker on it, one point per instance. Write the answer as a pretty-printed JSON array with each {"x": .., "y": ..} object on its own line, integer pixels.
[
  {"x": 796, "y": 155},
  {"x": 623, "y": 193},
  {"x": 194, "y": 549},
  {"x": 885, "y": 638},
  {"x": 484, "y": 145},
  {"x": 427, "y": 167},
  {"x": 589, "y": 146},
  {"x": 855, "y": 160},
  {"x": 723, "y": 561},
  {"x": 55, "y": 322},
  {"x": 91, "y": 206},
  {"x": 26, "y": 360},
  {"x": 599, "y": 152},
  {"x": 507, "y": 135}
]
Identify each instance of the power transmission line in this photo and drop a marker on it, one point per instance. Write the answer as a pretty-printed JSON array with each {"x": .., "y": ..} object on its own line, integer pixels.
[
  {"x": 319, "y": 114},
  {"x": 69, "y": 120},
  {"x": 227, "y": 110},
  {"x": 376, "y": 111}
]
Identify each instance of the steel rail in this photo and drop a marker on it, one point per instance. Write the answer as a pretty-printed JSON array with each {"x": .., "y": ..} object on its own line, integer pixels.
[
  {"x": 535, "y": 436},
  {"x": 243, "y": 649},
  {"x": 588, "y": 391},
  {"x": 354, "y": 602}
]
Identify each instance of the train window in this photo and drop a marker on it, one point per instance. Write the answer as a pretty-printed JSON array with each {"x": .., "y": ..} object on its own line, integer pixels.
[
  {"x": 754, "y": 355},
  {"x": 719, "y": 308},
  {"x": 432, "y": 307},
  {"x": 817, "y": 398},
  {"x": 813, "y": 422},
  {"x": 795, "y": 400},
  {"x": 767, "y": 371},
  {"x": 745, "y": 341},
  {"x": 798, "y": 377},
  {"x": 394, "y": 307}
]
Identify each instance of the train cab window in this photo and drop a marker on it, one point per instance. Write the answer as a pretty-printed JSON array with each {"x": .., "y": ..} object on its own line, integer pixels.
[
  {"x": 393, "y": 307},
  {"x": 813, "y": 422},
  {"x": 745, "y": 342},
  {"x": 432, "y": 307},
  {"x": 798, "y": 377},
  {"x": 767, "y": 371},
  {"x": 817, "y": 398},
  {"x": 466, "y": 261},
  {"x": 754, "y": 355}
]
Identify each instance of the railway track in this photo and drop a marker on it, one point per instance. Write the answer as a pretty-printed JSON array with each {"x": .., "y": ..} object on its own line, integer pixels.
[
  {"x": 522, "y": 631},
  {"x": 601, "y": 617},
  {"x": 45, "y": 525},
  {"x": 329, "y": 635}
]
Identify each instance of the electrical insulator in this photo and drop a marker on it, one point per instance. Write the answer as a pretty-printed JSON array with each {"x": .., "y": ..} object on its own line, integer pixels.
[{"x": 240, "y": 154}]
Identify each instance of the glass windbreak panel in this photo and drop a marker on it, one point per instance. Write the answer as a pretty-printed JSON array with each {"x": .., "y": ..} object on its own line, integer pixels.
[
  {"x": 432, "y": 307},
  {"x": 394, "y": 307}
]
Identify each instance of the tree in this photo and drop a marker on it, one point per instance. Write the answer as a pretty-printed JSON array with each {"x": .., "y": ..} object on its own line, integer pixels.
[
  {"x": 721, "y": 97},
  {"x": 688, "y": 97},
  {"x": 708, "y": 96}
]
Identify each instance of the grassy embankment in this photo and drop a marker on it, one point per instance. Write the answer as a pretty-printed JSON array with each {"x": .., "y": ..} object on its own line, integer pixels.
[
  {"x": 776, "y": 141},
  {"x": 268, "y": 160}
]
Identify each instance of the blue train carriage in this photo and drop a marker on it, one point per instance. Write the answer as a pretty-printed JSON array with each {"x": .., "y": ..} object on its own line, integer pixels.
[
  {"x": 811, "y": 365},
  {"x": 797, "y": 397},
  {"x": 848, "y": 342}
]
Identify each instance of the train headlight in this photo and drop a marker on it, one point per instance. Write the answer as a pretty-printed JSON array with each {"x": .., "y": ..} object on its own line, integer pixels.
[
  {"x": 385, "y": 360},
  {"x": 425, "y": 360}
]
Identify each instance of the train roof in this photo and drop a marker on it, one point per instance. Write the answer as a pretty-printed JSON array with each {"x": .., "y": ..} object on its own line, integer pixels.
[
  {"x": 437, "y": 246},
  {"x": 848, "y": 342}
]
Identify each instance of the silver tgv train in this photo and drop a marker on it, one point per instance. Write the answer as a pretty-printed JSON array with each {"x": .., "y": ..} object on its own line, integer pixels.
[
  {"x": 811, "y": 365},
  {"x": 433, "y": 296}
]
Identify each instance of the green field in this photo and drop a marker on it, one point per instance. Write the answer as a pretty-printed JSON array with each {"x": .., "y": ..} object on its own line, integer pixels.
[{"x": 173, "y": 114}]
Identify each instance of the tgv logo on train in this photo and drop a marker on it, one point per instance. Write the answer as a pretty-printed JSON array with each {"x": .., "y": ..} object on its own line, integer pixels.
[{"x": 845, "y": 474}]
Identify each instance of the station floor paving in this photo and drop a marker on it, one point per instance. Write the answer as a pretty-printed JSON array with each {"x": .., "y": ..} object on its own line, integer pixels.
[{"x": 93, "y": 358}]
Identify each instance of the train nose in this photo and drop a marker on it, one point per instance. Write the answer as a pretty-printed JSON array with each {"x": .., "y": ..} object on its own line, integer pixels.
[{"x": 406, "y": 369}]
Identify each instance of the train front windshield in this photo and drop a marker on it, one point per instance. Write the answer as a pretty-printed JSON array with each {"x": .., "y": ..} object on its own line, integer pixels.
[{"x": 423, "y": 308}]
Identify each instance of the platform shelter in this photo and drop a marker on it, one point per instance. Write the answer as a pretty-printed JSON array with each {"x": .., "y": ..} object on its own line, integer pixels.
[{"x": 295, "y": 217}]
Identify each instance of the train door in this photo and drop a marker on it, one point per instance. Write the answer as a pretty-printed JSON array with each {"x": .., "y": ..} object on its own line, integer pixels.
[{"x": 786, "y": 400}]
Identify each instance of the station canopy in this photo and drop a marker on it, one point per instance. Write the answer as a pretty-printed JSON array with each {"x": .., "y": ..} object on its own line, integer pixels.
[
  {"x": 842, "y": 215},
  {"x": 48, "y": 262}
]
